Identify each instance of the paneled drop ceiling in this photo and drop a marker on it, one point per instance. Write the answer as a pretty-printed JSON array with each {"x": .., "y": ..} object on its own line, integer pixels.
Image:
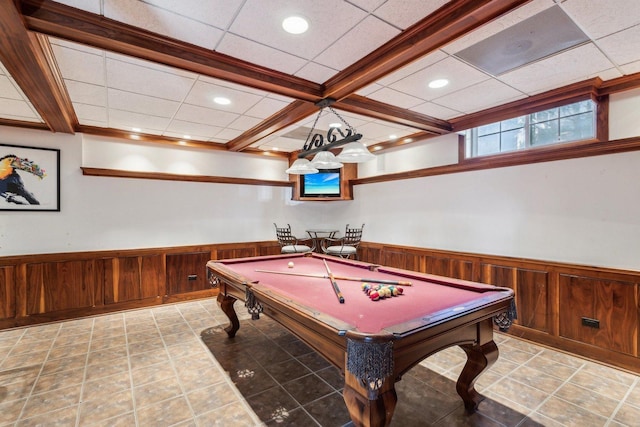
[{"x": 154, "y": 67}]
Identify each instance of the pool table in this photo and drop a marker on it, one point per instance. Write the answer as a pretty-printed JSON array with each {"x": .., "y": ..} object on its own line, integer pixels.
[{"x": 373, "y": 343}]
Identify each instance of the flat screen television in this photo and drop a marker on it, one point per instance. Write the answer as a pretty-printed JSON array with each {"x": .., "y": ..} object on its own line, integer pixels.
[{"x": 325, "y": 183}]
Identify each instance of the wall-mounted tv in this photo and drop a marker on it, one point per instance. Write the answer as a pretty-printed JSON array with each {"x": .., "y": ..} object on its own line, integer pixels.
[{"x": 325, "y": 183}]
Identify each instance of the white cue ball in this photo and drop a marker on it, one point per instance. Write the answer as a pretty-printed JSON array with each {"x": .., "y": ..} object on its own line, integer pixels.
[{"x": 290, "y": 265}]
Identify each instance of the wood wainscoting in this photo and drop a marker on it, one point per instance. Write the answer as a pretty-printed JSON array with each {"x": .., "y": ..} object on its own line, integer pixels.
[
  {"x": 588, "y": 311},
  {"x": 43, "y": 288}
]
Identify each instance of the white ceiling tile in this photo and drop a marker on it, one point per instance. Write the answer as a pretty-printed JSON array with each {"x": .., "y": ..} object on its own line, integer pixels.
[
  {"x": 368, "y": 5},
  {"x": 559, "y": 70},
  {"x": 218, "y": 13},
  {"x": 244, "y": 123},
  {"x": 90, "y": 113},
  {"x": 611, "y": 73},
  {"x": 231, "y": 85},
  {"x": 328, "y": 20},
  {"x": 367, "y": 90},
  {"x": 227, "y": 134},
  {"x": 435, "y": 110},
  {"x": 202, "y": 94},
  {"x": 79, "y": 65},
  {"x": 18, "y": 110},
  {"x": 144, "y": 64},
  {"x": 632, "y": 68},
  {"x": 459, "y": 74},
  {"x": 85, "y": 93},
  {"x": 363, "y": 39},
  {"x": 404, "y": 13},
  {"x": 92, "y": 6},
  {"x": 207, "y": 116},
  {"x": 127, "y": 101},
  {"x": 379, "y": 131},
  {"x": 8, "y": 90},
  {"x": 413, "y": 67},
  {"x": 180, "y": 128},
  {"x": 75, "y": 46},
  {"x": 315, "y": 72},
  {"x": 127, "y": 120},
  {"x": 162, "y": 21},
  {"x": 622, "y": 47},
  {"x": 489, "y": 93},
  {"x": 133, "y": 78},
  {"x": 281, "y": 144},
  {"x": 606, "y": 18},
  {"x": 394, "y": 97},
  {"x": 523, "y": 12},
  {"x": 259, "y": 54},
  {"x": 266, "y": 107}
]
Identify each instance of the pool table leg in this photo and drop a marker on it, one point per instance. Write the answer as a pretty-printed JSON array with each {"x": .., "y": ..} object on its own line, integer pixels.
[
  {"x": 369, "y": 408},
  {"x": 226, "y": 304},
  {"x": 479, "y": 358}
]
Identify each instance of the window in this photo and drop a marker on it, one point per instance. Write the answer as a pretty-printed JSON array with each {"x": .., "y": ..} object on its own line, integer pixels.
[{"x": 567, "y": 123}]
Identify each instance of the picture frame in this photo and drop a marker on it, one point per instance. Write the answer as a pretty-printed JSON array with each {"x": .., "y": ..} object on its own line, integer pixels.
[{"x": 29, "y": 178}]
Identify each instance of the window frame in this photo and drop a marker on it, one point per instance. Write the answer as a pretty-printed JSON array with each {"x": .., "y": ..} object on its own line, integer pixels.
[{"x": 600, "y": 124}]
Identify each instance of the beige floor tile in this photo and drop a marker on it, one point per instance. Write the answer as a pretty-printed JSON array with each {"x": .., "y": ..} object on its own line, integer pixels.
[
  {"x": 59, "y": 418},
  {"x": 49, "y": 401},
  {"x": 115, "y": 404},
  {"x": 570, "y": 415},
  {"x": 104, "y": 388},
  {"x": 167, "y": 412},
  {"x": 151, "y": 393}
]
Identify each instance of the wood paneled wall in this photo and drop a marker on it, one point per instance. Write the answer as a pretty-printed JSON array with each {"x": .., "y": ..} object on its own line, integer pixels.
[
  {"x": 589, "y": 311},
  {"x": 42, "y": 288}
]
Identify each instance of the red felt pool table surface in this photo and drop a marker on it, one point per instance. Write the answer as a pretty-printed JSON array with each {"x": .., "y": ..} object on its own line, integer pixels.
[
  {"x": 372, "y": 342},
  {"x": 428, "y": 300}
]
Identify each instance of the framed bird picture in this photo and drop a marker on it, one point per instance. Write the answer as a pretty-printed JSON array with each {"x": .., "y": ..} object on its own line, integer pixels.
[{"x": 29, "y": 178}]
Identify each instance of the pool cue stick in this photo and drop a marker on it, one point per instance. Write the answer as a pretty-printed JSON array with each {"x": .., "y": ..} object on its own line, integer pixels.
[
  {"x": 354, "y": 279},
  {"x": 334, "y": 283}
]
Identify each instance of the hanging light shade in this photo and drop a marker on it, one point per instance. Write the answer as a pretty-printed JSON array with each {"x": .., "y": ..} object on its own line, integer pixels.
[
  {"x": 355, "y": 152},
  {"x": 301, "y": 167},
  {"x": 325, "y": 160}
]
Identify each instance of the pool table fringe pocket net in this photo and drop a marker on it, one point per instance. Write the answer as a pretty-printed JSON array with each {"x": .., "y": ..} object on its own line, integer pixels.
[
  {"x": 505, "y": 319},
  {"x": 370, "y": 362}
]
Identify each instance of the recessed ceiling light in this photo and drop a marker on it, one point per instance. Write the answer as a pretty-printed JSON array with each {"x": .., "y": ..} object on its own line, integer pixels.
[
  {"x": 438, "y": 83},
  {"x": 221, "y": 100},
  {"x": 377, "y": 147},
  {"x": 134, "y": 136},
  {"x": 335, "y": 125},
  {"x": 186, "y": 136},
  {"x": 182, "y": 143},
  {"x": 392, "y": 137},
  {"x": 407, "y": 140},
  {"x": 136, "y": 129},
  {"x": 295, "y": 25}
]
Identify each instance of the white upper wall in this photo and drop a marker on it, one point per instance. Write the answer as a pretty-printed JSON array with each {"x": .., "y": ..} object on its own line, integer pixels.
[{"x": 584, "y": 211}]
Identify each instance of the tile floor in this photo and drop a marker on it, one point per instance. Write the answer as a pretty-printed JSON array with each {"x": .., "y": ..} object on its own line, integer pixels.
[{"x": 153, "y": 367}]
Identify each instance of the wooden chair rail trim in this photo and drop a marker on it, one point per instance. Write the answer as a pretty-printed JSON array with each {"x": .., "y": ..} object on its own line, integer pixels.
[{"x": 117, "y": 173}]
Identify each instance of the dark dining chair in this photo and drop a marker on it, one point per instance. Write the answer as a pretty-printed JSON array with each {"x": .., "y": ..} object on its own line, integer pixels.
[
  {"x": 345, "y": 246},
  {"x": 290, "y": 244}
]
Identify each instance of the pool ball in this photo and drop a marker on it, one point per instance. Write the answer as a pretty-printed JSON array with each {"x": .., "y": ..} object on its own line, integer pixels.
[{"x": 290, "y": 265}]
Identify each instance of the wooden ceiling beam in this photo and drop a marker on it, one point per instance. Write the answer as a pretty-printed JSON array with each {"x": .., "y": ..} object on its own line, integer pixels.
[
  {"x": 371, "y": 108},
  {"x": 28, "y": 59},
  {"x": 58, "y": 20},
  {"x": 448, "y": 23},
  {"x": 288, "y": 116}
]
